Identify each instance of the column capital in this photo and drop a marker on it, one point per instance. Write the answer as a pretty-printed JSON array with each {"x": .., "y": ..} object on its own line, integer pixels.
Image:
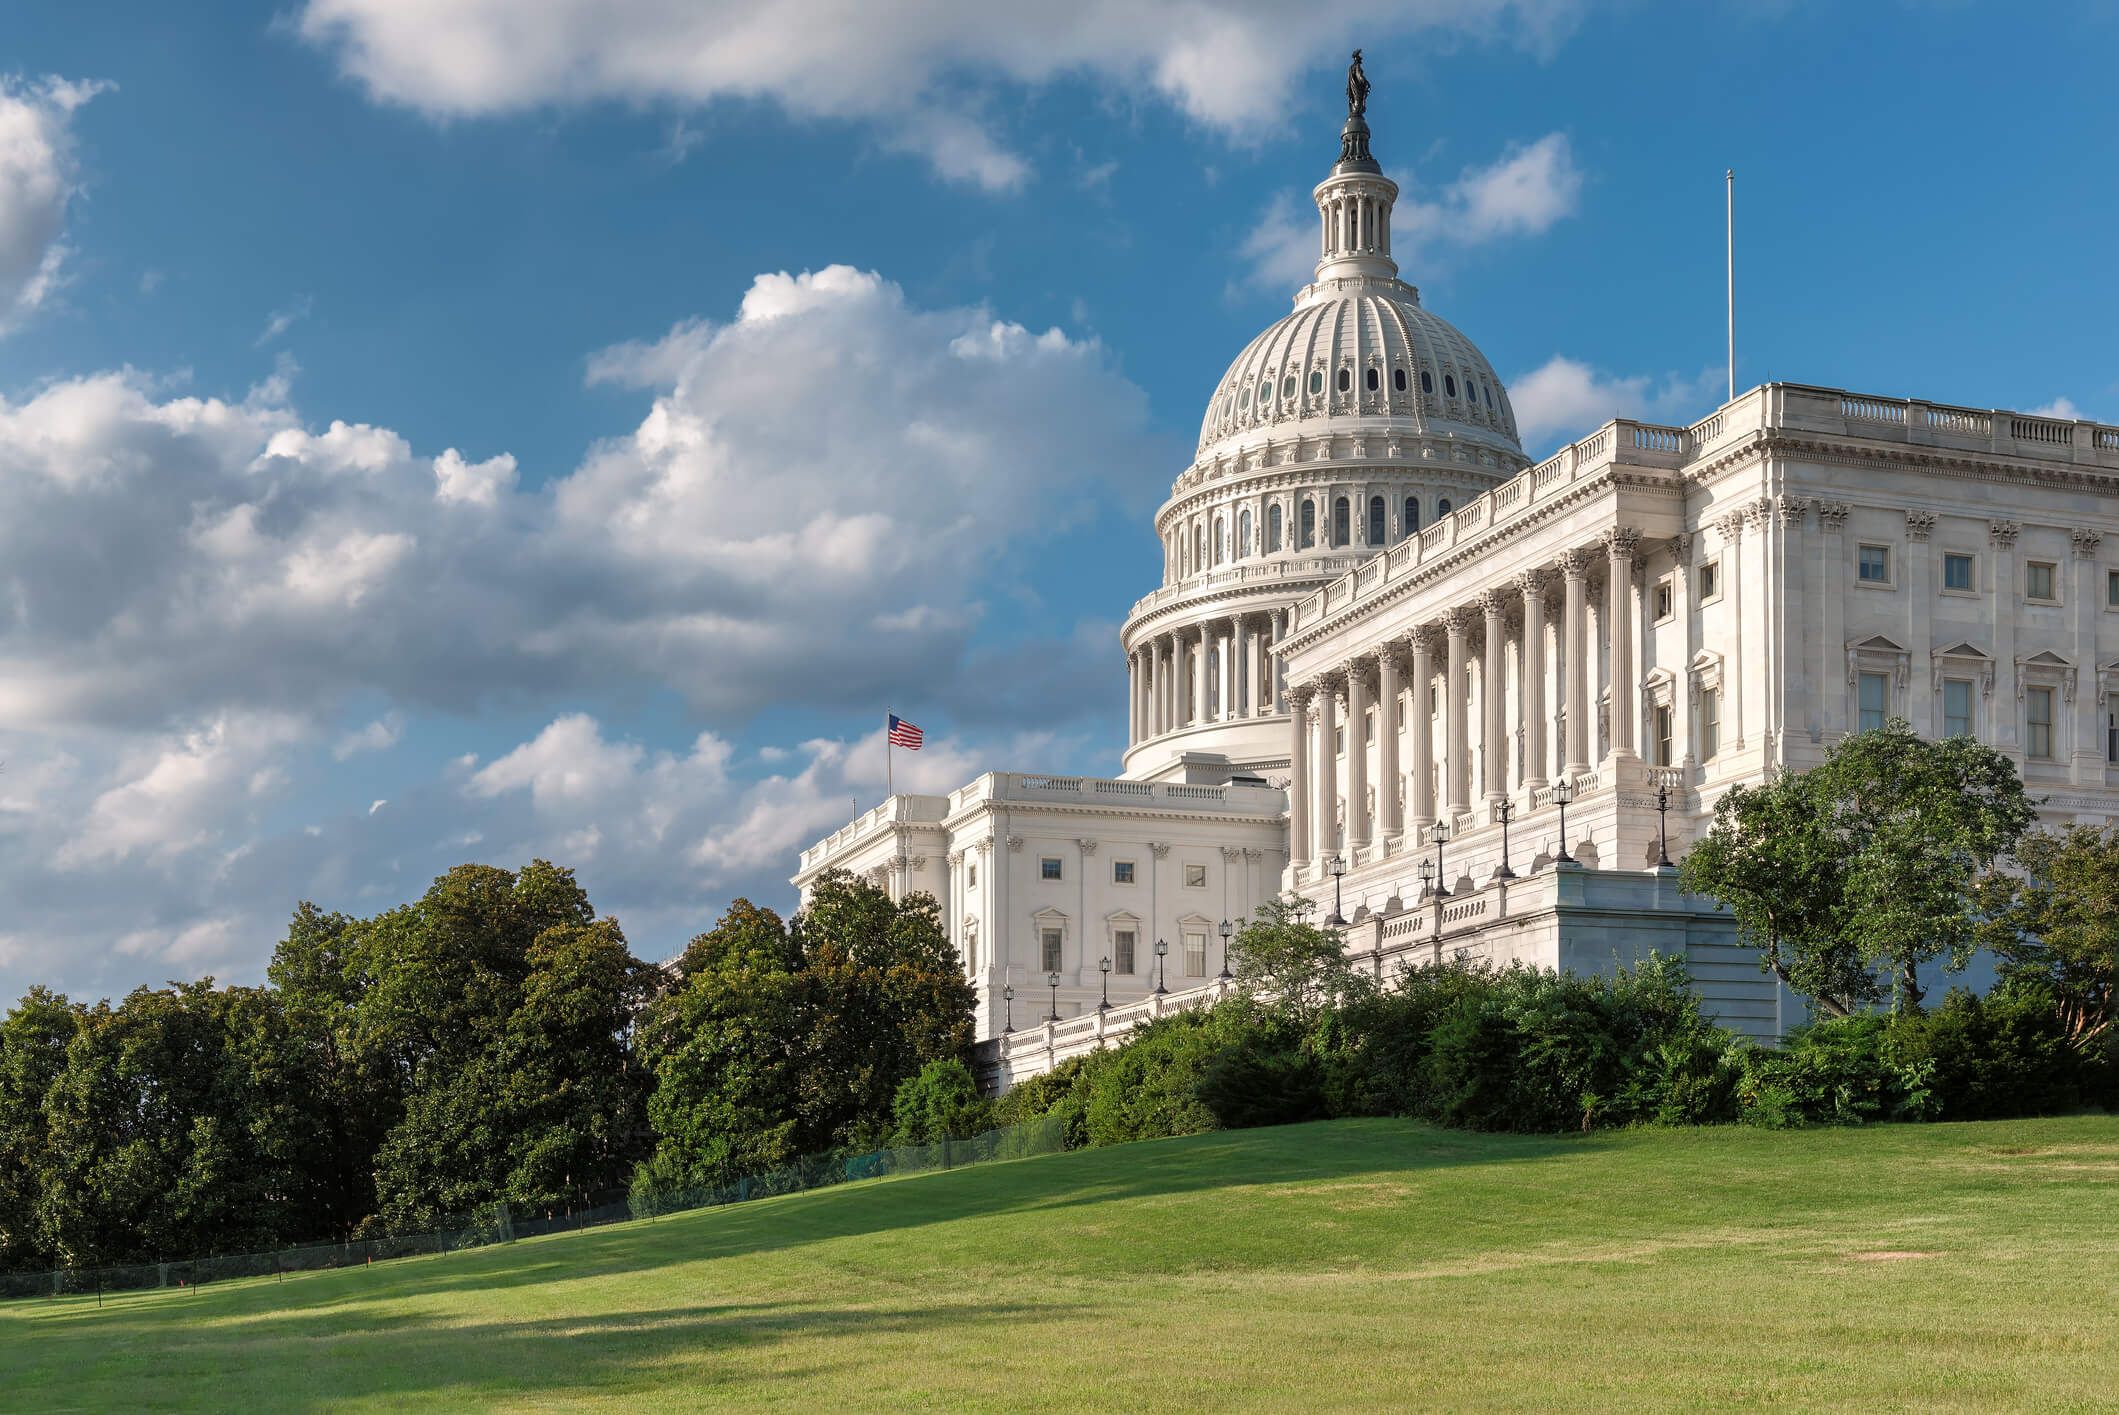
[
  {"x": 2003, "y": 533},
  {"x": 1619, "y": 541},
  {"x": 1574, "y": 564},
  {"x": 1532, "y": 583},
  {"x": 1493, "y": 604},
  {"x": 1919, "y": 524},
  {"x": 1793, "y": 509},
  {"x": 1682, "y": 544},
  {"x": 2086, "y": 542},
  {"x": 1831, "y": 515},
  {"x": 1298, "y": 696},
  {"x": 1426, "y": 638},
  {"x": 1456, "y": 621}
]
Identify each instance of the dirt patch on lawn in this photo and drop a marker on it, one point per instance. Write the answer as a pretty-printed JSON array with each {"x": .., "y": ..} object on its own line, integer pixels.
[{"x": 1892, "y": 1255}]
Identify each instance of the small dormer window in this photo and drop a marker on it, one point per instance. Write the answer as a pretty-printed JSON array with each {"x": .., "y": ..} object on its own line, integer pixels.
[
  {"x": 1346, "y": 379},
  {"x": 1287, "y": 386},
  {"x": 1316, "y": 382},
  {"x": 1489, "y": 392},
  {"x": 1449, "y": 384},
  {"x": 1265, "y": 392},
  {"x": 1373, "y": 380},
  {"x": 1243, "y": 400},
  {"x": 1398, "y": 379},
  {"x": 1427, "y": 382}
]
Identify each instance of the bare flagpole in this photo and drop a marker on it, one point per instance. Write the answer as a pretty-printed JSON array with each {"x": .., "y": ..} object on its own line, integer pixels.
[{"x": 1729, "y": 235}]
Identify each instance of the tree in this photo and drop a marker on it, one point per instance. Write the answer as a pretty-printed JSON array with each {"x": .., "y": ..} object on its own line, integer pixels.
[
  {"x": 939, "y": 1102},
  {"x": 2057, "y": 924},
  {"x": 1290, "y": 965},
  {"x": 33, "y": 1040},
  {"x": 1855, "y": 873}
]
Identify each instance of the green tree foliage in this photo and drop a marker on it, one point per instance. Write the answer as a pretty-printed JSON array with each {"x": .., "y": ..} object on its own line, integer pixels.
[
  {"x": 1851, "y": 875},
  {"x": 941, "y": 1101},
  {"x": 1287, "y": 964},
  {"x": 34, "y": 1038},
  {"x": 2057, "y": 925}
]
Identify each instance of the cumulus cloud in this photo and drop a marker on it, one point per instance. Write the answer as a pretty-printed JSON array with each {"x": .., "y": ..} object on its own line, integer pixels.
[
  {"x": 378, "y": 736},
  {"x": 39, "y": 179},
  {"x": 1525, "y": 192},
  {"x": 1564, "y": 398},
  {"x": 182, "y": 792},
  {"x": 2063, "y": 408},
  {"x": 921, "y": 75}
]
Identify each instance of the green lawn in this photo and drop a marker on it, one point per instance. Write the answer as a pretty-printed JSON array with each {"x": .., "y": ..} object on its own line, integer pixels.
[{"x": 1366, "y": 1264}]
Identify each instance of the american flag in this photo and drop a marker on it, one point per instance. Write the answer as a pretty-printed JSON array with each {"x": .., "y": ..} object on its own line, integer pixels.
[{"x": 904, "y": 734}]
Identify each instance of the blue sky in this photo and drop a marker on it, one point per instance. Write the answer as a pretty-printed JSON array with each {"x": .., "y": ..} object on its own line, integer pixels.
[{"x": 437, "y": 431}]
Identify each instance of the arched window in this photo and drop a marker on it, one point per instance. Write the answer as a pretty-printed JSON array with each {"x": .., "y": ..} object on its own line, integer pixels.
[
  {"x": 1287, "y": 387},
  {"x": 1272, "y": 528},
  {"x": 1243, "y": 400},
  {"x": 1398, "y": 379},
  {"x": 1449, "y": 384},
  {"x": 1316, "y": 382},
  {"x": 1306, "y": 535},
  {"x": 1442, "y": 507},
  {"x": 1342, "y": 522},
  {"x": 1412, "y": 516},
  {"x": 1427, "y": 382},
  {"x": 1346, "y": 379},
  {"x": 1374, "y": 380},
  {"x": 1243, "y": 533},
  {"x": 1199, "y": 547},
  {"x": 1377, "y": 530},
  {"x": 1221, "y": 540}
]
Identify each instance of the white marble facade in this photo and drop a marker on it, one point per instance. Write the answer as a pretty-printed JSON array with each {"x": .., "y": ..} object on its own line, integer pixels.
[{"x": 1387, "y": 638}]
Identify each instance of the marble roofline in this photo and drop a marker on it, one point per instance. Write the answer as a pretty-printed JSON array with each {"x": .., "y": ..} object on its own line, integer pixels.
[
  {"x": 906, "y": 814},
  {"x": 1773, "y": 416}
]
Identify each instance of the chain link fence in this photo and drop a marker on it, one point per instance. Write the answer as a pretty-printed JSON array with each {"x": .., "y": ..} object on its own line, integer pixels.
[{"x": 503, "y": 1223}]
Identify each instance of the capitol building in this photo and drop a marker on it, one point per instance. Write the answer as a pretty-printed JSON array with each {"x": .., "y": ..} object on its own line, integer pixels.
[{"x": 1389, "y": 656}]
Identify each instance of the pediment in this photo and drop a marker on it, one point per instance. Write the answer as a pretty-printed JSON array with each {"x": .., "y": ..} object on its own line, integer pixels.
[
  {"x": 2045, "y": 658},
  {"x": 1877, "y": 643},
  {"x": 1962, "y": 650}
]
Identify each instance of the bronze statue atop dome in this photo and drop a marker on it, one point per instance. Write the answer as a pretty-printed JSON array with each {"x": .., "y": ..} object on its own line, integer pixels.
[
  {"x": 1354, "y": 137},
  {"x": 1357, "y": 88}
]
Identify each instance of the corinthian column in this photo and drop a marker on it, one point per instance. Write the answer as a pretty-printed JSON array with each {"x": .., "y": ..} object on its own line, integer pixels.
[
  {"x": 1327, "y": 832},
  {"x": 1357, "y": 758},
  {"x": 1532, "y": 585},
  {"x": 1457, "y": 751},
  {"x": 1493, "y": 694},
  {"x": 1423, "y": 727},
  {"x": 1299, "y": 780},
  {"x": 1391, "y": 822},
  {"x": 1574, "y": 569},
  {"x": 1625, "y": 693},
  {"x": 1201, "y": 685}
]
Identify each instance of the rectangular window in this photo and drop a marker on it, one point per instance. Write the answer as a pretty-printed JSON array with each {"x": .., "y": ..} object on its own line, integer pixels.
[
  {"x": 1665, "y": 599},
  {"x": 2038, "y": 581},
  {"x": 1957, "y": 571},
  {"x": 1049, "y": 949},
  {"x": 2111, "y": 736},
  {"x": 2038, "y": 723},
  {"x": 1122, "y": 951},
  {"x": 1368, "y": 727},
  {"x": 1710, "y": 582},
  {"x": 1339, "y": 740},
  {"x": 1195, "y": 876},
  {"x": 2111, "y": 588},
  {"x": 972, "y": 875},
  {"x": 1195, "y": 953},
  {"x": 1875, "y": 701},
  {"x": 1048, "y": 867},
  {"x": 1710, "y": 723},
  {"x": 1873, "y": 564},
  {"x": 1956, "y": 707},
  {"x": 1121, "y": 872},
  {"x": 1662, "y": 735}
]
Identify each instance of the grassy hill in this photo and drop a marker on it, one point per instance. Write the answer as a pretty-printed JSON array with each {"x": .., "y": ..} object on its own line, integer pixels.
[{"x": 1366, "y": 1264}]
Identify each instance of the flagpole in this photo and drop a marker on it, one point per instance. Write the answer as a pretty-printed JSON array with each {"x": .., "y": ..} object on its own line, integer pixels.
[
  {"x": 1729, "y": 238},
  {"x": 889, "y": 768}
]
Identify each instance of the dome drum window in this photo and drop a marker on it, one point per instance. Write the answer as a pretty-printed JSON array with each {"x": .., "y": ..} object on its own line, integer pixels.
[
  {"x": 1427, "y": 382},
  {"x": 1346, "y": 379},
  {"x": 1287, "y": 387},
  {"x": 1375, "y": 380},
  {"x": 1449, "y": 384},
  {"x": 1398, "y": 379},
  {"x": 1316, "y": 382}
]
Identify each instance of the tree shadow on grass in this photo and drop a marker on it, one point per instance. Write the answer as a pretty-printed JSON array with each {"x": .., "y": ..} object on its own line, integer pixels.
[{"x": 293, "y": 1360}]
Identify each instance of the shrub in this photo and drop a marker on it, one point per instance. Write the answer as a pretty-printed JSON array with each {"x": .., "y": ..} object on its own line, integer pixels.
[
  {"x": 1264, "y": 1077},
  {"x": 1149, "y": 1088},
  {"x": 1833, "y": 1072},
  {"x": 2002, "y": 1055},
  {"x": 939, "y": 1101}
]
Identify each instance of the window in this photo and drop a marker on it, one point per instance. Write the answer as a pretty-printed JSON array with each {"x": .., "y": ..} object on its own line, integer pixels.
[
  {"x": 1398, "y": 379},
  {"x": 1122, "y": 950},
  {"x": 1449, "y": 384},
  {"x": 1710, "y": 582},
  {"x": 1221, "y": 539},
  {"x": 1427, "y": 382},
  {"x": 2111, "y": 588},
  {"x": 1710, "y": 723},
  {"x": 1287, "y": 387},
  {"x": 1199, "y": 547},
  {"x": 1339, "y": 740},
  {"x": 1316, "y": 382},
  {"x": 1957, "y": 572},
  {"x": 1662, "y": 735},
  {"x": 972, "y": 875},
  {"x": 1377, "y": 516},
  {"x": 1873, "y": 564},
  {"x": 1442, "y": 507},
  {"x": 1272, "y": 528},
  {"x": 1412, "y": 518},
  {"x": 1374, "y": 381},
  {"x": 1048, "y": 867},
  {"x": 1308, "y": 526},
  {"x": 2038, "y": 723},
  {"x": 1121, "y": 872},
  {"x": 1243, "y": 533},
  {"x": 1346, "y": 379},
  {"x": 2038, "y": 581},
  {"x": 1195, "y": 876},
  {"x": 1665, "y": 599},
  {"x": 1956, "y": 707},
  {"x": 1874, "y": 701},
  {"x": 1049, "y": 949},
  {"x": 1489, "y": 392},
  {"x": 1195, "y": 953},
  {"x": 2111, "y": 736},
  {"x": 1342, "y": 522},
  {"x": 1265, "y": 394},
  {"x": 1243, "y": 401}
]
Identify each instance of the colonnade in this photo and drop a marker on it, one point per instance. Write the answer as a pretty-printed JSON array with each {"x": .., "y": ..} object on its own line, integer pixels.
[
  {"x": 1357, "y": 706},
  {"x": 1211, "y": 670}
]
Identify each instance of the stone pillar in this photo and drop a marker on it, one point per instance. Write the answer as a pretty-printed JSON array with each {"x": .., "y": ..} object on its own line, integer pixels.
[
  {"x": 1299, "y": 781},
  {"x": 1357, "y": 759},
  {"x": 1390, "y": 821},
  {"x": 1133, "y": 690},
  {"x": 1202, "y": 687},
  {"x": 2006, "y": 702},
  {"x": 1532, "y": 586},
  {"x": 1456, "y": 624},
  {"x": 1422, "y": 727},
  {"x": 1574, "y": 569},
  {"x": 2087, "y": 748},
  {"x": 1625, "y": 691},
  {"x": 1493, "y": 694},
  {"x": 1246, "y": 685},
  {"x": 1327, "y": 828}
]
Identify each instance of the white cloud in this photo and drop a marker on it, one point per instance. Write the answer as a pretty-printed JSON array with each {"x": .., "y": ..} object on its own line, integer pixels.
[
  {"x": 1525, "y": 192},
  {"x": 923, "y": 75},
  {"x": 182, "y": 792},
  {"x": 472, "y": 483},
  {"x": 39, "y": 179},
  {"x": 285, "y": 318},
  {"x": 1564, "y": 398},
  {"x": 378, "y": 736},
  {"x": 2063, "y": 408}
]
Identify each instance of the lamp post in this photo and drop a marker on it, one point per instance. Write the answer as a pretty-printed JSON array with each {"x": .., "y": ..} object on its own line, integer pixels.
[
  {"x": 1105, "y": 965},
  {"x": 1504, "y": 812},
  {"x": 1441, "y": 834},
  {"x": 1563, "y": 791},
  {"x": 1226, "y": 934},
  {"x": 1053, "y": 979},
  {"x": 1427, "y": 878},
  {"x": 1338, "y": 868},
  {"x": 1662, "y": 820},
  {"x": 1008, "y": 1000},
  {"x": 1162, "y": 951}
]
